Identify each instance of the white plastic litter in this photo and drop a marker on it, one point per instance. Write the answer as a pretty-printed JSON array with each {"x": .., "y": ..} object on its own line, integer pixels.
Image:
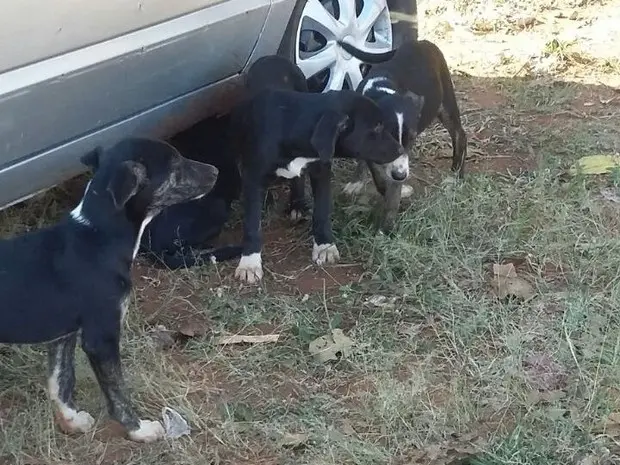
[{"x": 174, "y": 424}]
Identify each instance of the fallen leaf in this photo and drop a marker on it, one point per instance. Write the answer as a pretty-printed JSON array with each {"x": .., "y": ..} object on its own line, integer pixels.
[
  {"x": 328, "y": 347},
  {"x": 527, "y": 22},
  {"x": 513, "y": 287},
  {"x": 293, "y": 440},
  {"x": 174, "y": 424},
  {"x": 534, "y": 397},
  {"x": 193, "y": 328},
  {"x": 162, "y": 337},
  {"x": 544, "y": 373},
  {"x": 241, "y": 339},
  {"x": 506, "y": 282},
  {"x": 610, "y": 194},
  {"x": 556, "y": 413},
  {"x": 590, "y": 460},
  {"x": 347, "y": 428},
  {"x": 381, "y": 301},
  {"x": 450, "y": 452},
  {"x": 595, "y": 164},
  {"x": 505, "y": 271}
]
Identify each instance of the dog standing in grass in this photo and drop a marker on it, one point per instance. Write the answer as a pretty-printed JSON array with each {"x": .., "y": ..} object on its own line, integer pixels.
[
  {"x": 287, "y": 133},
  {"x": 75, "y": 277},
  {"x": 413, "y": 87}
]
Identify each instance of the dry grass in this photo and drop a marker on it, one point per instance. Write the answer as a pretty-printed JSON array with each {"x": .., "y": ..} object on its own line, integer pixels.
[{"x": 441, "y": 372}]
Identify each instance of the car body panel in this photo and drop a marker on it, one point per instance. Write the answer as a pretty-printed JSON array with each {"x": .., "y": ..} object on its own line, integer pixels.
[
  {"x": 54, "y": 110},
  {"x": 88, "y": 73},
  {"x": 61, "y": 26}
]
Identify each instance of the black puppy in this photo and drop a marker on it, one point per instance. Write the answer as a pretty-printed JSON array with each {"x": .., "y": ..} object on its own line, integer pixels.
[
  {"x": 414, "y": 87},
  {"x": 74, "y": 277},
  {"x": 283, "y": 132},
  {"x": 180, "y": 235},
  {"x": 277, "y": 72}
]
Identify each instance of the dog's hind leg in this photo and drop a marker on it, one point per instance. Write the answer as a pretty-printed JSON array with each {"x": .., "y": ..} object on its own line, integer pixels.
[
  {"x": 61, "y": 384},
  {"x": 450, "y": 117},
  {"x": 324, "y": 249},
  {"x": 355, "y": 186},
  {"x": 452, "y": 122},
  {"x": 102, "y": 349},
  {"x": 298, "y": 205}
]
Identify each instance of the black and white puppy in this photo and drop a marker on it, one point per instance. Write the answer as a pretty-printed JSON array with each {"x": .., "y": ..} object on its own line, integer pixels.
[
  {"x": 278, "y": 72},
  {"x": 74, "y": 277},
  {"x": 413, "y": 87},
  {"x": 283, "y": 132},
  {"x": 180, "y": 235}
]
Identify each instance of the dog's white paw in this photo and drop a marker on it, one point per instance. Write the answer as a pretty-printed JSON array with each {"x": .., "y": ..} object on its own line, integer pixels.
[
  {"x": 72, "y": 421},
  {"x": 325, "y": 253},
  {"x": 353, "y": 188},
  {"x": 405, "y": 191},
  {"x": 250, "y": 269},
  {"x": 296, "y": 215},
  {"x": 149, "y": 431}
]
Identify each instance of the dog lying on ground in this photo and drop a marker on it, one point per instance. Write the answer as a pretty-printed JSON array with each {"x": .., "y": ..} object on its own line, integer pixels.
[
  {"x": 284, "y": 132},
  {"x": 277, "y": 72},
  {"x": 180, "y": 235},
  {"x": 74, "y": 277},
  {"x": 413, "y": 87}
]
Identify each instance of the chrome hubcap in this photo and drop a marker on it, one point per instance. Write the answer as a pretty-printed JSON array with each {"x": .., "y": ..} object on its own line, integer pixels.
[{"x": 364, "y": 24}]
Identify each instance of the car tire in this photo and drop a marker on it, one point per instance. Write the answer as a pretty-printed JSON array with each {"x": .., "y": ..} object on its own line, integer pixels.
[{"x": 402, "y": 23}]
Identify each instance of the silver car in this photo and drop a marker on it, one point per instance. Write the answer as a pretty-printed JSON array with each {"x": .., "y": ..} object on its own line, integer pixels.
[{"x": 74, "y": 75}]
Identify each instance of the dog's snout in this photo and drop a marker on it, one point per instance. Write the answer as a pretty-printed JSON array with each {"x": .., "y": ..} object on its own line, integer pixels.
[
  {"x": 399, "y": 175},
  {"x": 399, "y": 169}
]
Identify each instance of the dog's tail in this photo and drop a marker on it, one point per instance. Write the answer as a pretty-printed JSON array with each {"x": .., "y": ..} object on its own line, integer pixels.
[
  {"x": 367, "y": 57},
  {"x": 189, "y": 258}
]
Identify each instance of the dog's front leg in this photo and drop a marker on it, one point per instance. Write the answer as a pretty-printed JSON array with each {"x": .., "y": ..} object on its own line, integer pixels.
[
  {"x": 324, "y": 249},
  {"x": 61, "y": 384},
  {"x": 103, "y": 352},
  {"x": 250, "y": 268}
]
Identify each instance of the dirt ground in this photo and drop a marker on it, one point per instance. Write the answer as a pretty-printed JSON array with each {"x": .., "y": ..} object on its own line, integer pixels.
[{"x": 484, "y": 330}]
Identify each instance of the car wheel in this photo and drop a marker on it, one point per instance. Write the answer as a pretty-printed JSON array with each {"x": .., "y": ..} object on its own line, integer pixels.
[{"x": 316, "y": 26}]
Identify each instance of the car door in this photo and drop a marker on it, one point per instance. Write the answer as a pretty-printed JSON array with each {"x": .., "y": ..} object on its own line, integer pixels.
[{"x": 70, "y": 68}]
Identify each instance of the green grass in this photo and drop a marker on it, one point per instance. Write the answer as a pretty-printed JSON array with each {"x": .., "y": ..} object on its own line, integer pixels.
[{"x": 446, "y": 358}]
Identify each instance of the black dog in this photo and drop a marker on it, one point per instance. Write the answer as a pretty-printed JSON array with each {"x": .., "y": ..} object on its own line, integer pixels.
[
  {"x": 283, "y": 132},
  {"x": 413, "y": 88},
  {"x": 180, "y": 235},
  {"x": 277, "y": 72},
  {"x": 75, "y": 276}
]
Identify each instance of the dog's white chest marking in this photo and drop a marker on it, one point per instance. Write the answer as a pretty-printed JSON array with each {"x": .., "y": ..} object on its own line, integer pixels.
[
  {"x": 77, "y": 213},
  {"x": 401, "y": 120},
  {"x": 295, "y": 167},
  {"x": 143, "y": 226}
]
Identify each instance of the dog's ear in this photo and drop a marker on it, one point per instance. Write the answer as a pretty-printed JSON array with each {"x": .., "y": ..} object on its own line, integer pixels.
[
  {"x": 326, "y": 133},
  {"x": 126, "y": 182},
  {"x": 91, "y": 159}
]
